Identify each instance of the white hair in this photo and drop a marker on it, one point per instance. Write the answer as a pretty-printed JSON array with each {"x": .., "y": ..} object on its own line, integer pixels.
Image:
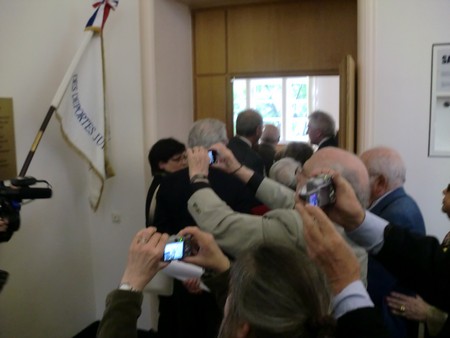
[{"x": 284, "y": 172}]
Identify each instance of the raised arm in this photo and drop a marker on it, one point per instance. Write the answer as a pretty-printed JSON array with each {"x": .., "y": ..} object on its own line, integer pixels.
[{"x": 273, "y": 194}]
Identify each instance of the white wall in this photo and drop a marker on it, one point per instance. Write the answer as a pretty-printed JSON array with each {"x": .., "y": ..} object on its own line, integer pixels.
[
  {"x": 64, "y": 259},
  {"x": 395, "y": 71},
  {"x": 167, "y": 65},
  {"x": 166, "y": 42}
]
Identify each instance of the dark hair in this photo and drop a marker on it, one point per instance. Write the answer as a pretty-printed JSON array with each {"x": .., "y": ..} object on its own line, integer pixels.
[
  {"x": 247, "y": 122},
  {"x": 162, "y": 151},
  {"x": 280, "y": 293},
  {"x": 299, "y": 151}
]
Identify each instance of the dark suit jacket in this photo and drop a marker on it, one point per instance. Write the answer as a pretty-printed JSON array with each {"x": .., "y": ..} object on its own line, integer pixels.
[
  {"x": 184, "y": 314},
  {"x": 419, "y": 263},
  {"x": 397, "y": 208},
  {"x": 331, "y": 142},
  {"x": 175, "y": 190},
  {"x": 267, "y": 153},
  {"x": 361, "y": 323},
  {"x": 246, "y": 155}
]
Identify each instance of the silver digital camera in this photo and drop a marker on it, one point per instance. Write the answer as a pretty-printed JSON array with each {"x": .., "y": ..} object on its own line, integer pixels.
[
  {"x": 318, "y": 191},
  {"x": 177, "y": 248}
]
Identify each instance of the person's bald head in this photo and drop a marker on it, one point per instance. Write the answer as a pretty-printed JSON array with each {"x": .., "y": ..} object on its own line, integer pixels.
[
  {"x": 386, "y": 169},
  {"x": 347, "y": 164}
]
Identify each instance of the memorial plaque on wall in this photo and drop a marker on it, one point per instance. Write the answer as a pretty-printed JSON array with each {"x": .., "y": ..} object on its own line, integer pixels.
[{"x": 8, "y": 167}]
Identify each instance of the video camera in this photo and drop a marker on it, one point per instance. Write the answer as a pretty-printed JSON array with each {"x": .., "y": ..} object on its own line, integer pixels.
[{"x": 12, "y": 192}]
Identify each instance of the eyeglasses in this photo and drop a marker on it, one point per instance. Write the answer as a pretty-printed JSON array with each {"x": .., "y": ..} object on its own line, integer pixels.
[{"x": 179, "y": 158}]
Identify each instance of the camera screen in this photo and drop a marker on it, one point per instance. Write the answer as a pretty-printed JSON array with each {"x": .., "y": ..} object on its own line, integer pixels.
[
  {"x": 212, "y": 156},
  {"x": 314, "y": 199},
  {"x": 173, "y": 251}
]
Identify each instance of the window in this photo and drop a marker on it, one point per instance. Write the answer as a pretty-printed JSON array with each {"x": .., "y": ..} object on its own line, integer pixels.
[{"x": 286, "y": 101}]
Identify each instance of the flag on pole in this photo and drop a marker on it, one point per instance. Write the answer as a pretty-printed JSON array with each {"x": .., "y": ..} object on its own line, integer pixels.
[{"x": 81, "y": 110}]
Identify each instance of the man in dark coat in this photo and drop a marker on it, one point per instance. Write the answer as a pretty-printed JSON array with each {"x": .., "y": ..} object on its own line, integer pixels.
[
  {"x": 389, "y": 200},
  {"x": 322, "y": 129},
  {"x": 249, "y": 126},
  {"x": 183, "y": 314}
]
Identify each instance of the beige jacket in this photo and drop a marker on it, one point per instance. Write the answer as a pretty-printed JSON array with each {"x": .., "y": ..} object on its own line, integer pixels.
[{"x": 235, "y": 232}]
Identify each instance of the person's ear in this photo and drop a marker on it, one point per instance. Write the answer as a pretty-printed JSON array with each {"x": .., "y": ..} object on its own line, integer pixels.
[
  {"x": 243, "y": 330},
  {"x": 259, "y": 130},
  {"x": 380, "y": 185},
  {"x": 162, "y": 165}
]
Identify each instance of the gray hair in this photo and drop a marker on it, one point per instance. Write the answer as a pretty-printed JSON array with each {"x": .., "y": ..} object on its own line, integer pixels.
[
  {"x": 387, "y": 162},
  {"x": 247, "y": 122},
  {"x": 206, "y": 132},
  {"x": 284, "y": 172},
  {"x": 323, "y": 122},
  {"x": 279, "y": 292},
  {"x": 270, "y": 134}
]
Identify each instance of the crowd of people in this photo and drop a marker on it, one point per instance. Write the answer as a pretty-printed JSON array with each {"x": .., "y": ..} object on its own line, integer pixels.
[{"x": 277, "y": 266}]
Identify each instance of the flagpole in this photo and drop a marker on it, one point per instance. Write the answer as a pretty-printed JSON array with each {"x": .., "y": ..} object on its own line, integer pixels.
[{"x": 88, "y": 34}]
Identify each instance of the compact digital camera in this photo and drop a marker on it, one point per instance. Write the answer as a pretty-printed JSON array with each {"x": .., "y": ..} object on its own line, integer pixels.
[
  {"x": 319, "y": 191},
  {"x": 212, "y": 156},
  {"x": 177, "y": 248}
]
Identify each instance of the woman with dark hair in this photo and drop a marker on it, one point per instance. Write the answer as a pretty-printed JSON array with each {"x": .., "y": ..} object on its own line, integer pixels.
[
  {"x": 299, "y": 151},
  {"x": 166, "y": 156}
]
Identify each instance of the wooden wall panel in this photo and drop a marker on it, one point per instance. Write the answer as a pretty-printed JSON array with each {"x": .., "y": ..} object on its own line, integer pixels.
[
  {"x": 305, "y": 35},
  {"x": 211, "y": 98},
  {"x": 210, "y": 42}
]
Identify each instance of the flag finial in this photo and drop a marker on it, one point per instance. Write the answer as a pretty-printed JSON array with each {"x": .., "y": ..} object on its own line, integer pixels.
[{"x": 102, "y": 9}]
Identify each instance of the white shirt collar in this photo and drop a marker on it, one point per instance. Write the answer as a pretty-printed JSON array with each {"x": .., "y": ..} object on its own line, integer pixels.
[{"x": 245, "y": 140}]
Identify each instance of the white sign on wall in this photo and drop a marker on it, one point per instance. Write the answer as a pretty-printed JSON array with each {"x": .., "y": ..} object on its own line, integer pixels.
[{"x": 439, "y": 140}]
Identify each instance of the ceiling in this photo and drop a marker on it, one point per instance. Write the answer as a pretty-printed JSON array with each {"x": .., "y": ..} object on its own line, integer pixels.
[{"x": 217, "y": 3}]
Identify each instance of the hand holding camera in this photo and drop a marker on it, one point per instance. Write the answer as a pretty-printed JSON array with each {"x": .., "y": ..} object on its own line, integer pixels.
[
  {"x": 319, "y": 191},
  {"x": 144, "y": 258},
  {"x": 213, "y": 156},
  {"x": 345, "y": 209},
  {"x": 177, "y": 248},
  {"x": 225, "y": 159},
  {"x": 204, "y": 250},
  {"x": 198, "y": 161}
]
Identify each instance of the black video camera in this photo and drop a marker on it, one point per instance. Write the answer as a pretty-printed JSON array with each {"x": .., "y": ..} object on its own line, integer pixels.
[{"x": 12, "y": 192}]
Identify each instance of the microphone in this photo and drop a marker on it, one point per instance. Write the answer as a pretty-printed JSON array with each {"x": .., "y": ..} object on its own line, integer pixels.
[
  {"x": 26, "y": 193},
  {"x": 19, "y": 189}
]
